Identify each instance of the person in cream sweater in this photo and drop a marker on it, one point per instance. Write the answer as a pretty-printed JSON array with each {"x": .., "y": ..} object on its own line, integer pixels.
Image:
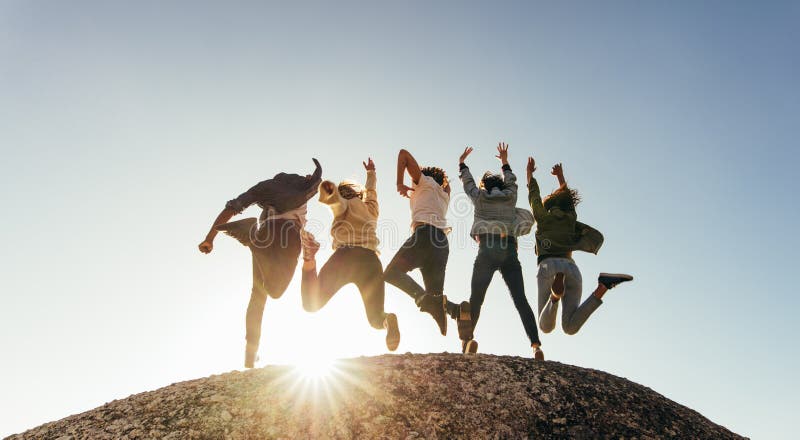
[{"x": 355, "y": 258}]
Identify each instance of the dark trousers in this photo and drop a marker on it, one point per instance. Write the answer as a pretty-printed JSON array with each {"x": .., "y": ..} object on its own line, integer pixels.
[
  {"x": 275, "y": 252},
  {"x": 496, "y": 253},
  {"x": 427, "y": 250},
  {"x": 347, "y": 265}
]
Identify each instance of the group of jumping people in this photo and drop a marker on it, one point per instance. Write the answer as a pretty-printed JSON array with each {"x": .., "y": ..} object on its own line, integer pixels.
[{"x": 278, "y": 238}]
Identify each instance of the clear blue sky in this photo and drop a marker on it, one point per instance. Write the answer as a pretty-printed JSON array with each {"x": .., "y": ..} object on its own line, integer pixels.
[{"x": 125, "y": 126}]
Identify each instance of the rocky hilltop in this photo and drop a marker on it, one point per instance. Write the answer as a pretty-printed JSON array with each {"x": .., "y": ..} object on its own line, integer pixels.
[{"x": 411, "y": 396}]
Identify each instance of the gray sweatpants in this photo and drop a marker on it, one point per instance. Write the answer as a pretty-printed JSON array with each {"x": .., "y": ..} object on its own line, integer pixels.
[{"x": 574, "y": 315}]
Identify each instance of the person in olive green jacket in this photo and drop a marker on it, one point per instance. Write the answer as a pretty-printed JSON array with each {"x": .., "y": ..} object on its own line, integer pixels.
[{"x": 558, "y": 234}]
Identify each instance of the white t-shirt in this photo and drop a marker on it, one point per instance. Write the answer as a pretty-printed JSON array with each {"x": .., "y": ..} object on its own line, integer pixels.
[{"x": 429, "y": 204}]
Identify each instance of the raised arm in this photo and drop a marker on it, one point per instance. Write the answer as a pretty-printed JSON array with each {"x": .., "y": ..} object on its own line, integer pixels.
[
  {"x": 534, "y": 195},
  {"x": 406, "y": 162},
  {"x": 558, "y": 171},
  {"x": 261, "y": 192},
  {"x": 233, "y": 207},
  {"x": 466, "y": 176},
  {"x": 371, "y": 196},
  {"x": 509, "y": 178}
]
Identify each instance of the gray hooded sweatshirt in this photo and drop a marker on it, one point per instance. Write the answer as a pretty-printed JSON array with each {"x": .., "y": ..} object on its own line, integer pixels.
[{"x": 495, "y": 211}]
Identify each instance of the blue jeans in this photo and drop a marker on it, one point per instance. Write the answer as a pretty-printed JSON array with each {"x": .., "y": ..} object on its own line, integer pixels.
[
  {"x": 574, "y": 314},
  {"x": 500, "y": 254}
]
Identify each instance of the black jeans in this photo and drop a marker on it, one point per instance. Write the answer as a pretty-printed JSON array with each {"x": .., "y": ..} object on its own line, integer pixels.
[
  {"x": 427, "y": 250},
  {"x": 498, "y": 253},
  {"x": 347, "y": 265}
]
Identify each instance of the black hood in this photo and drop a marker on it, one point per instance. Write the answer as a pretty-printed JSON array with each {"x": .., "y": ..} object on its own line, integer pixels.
[{"x": 290, "y": 191}]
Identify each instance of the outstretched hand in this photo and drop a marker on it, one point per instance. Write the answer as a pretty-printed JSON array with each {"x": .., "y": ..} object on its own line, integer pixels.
[
  {"x": 531, "y": 168},
  {"x": 502, "y": 152},
  {"x": 464, "y": 155},
  {"x": 369, "y": 165},
  {"x": 558, "y": 170}
]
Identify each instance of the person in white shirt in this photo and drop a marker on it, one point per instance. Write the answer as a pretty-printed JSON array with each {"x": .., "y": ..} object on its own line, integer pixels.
[{"x": 427, "y": 249}]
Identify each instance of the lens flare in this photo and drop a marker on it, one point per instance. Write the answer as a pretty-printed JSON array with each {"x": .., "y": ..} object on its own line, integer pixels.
[{"x": 315, "y": 369}]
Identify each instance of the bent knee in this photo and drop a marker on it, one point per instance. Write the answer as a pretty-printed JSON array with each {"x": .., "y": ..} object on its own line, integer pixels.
[
  {"x": 546, "y": 328},
  {"x": 571, "y": 329},
  {"x": 275, "y": 294},
  {"x": 311, "y": 307}
]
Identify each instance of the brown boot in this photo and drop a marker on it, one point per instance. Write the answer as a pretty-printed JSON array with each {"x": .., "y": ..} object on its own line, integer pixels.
[
  {"x": 435, "y": 306},
  {"x": 464, "y": 321},
  {"x": 469, "y": 347}
]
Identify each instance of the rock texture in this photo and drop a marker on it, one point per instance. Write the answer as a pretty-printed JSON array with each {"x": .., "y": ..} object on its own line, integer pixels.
[{"x": 433, "y": 396}]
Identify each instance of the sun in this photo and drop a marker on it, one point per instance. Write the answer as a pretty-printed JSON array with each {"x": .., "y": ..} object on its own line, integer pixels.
[{"x": 315, "y": 369}]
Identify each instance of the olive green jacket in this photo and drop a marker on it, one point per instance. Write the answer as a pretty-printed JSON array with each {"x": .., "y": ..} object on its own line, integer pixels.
[{"x": 559, "y": 232}]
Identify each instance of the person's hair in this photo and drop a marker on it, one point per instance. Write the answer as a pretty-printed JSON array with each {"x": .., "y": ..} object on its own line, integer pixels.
[
  {"x": 564, "y": 198},
  {"x": 350, "y": 190},
  {"x": 437, "y": 174},
  {"x": 491, "y": 181}
]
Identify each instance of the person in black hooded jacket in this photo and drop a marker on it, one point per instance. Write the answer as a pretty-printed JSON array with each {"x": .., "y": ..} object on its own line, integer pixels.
[{"x": 273, "y": 239}]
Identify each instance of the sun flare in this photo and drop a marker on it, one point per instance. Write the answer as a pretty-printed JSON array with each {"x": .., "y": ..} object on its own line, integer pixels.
[{"x": 315, "y": 369}]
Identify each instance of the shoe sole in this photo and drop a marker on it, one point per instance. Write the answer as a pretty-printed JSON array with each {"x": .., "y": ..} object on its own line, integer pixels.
[
  {"x": 472, "y": 347},
  {"x": 622, "y": 276},
  {"x": 443, "y": 328},
  {"x": 392, "y": 332}
]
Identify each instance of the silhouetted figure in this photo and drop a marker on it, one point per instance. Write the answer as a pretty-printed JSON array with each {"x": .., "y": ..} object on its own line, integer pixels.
[
  {"x": 355, "y": 259},
  {"x": 273, "y": 239}
]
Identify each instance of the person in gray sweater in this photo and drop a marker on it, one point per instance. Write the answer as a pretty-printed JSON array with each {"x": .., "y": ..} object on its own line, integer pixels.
[{"x": 495, "y": 227}]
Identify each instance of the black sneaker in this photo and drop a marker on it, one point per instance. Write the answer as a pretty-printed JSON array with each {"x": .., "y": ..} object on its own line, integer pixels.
[
  {"x": 392, "y": 331},
  {"x": 469, "y": 347},
  {"x": 464, "y": 321},
  {"x": 435, "y": 306},
  {"x": 611, "y": 280}
]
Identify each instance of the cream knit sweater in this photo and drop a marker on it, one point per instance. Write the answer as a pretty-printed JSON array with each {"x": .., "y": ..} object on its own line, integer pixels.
[{"x": 354, "y": 220}]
